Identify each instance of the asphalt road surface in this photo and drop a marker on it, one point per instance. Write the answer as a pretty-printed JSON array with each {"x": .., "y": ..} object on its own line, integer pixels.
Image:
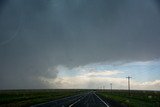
[{"x": 90, "y": 99}]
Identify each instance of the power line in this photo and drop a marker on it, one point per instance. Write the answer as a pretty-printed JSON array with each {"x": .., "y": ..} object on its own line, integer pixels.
[
  {"x": 129, "y": 84},
  {"x": 111, "y": 87}
]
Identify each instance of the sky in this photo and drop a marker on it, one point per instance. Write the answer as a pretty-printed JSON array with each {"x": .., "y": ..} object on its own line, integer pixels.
[{"x": 79, "y": 44}]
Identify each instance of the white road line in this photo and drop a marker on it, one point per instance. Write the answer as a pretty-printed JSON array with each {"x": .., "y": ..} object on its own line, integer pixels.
[
  {"x": 87, "y": 99},
  {"x": 102, "y": 100},
  {"x": 56, "y": 100},
  {"x": 77, "y": 101},
  {"x": 93, "y": 98},
  {"x": 74, "y": 103}
]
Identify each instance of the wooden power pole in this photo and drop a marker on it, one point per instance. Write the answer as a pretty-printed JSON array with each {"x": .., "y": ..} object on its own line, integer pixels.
[{"x": 129, "y": 84}]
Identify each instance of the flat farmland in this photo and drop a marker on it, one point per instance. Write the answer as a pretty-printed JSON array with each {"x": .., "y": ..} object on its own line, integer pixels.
[
  {"x": 25, "y": 98},
  {"x": 79, "y": 98},
  {"x": 136, "y": 98}
]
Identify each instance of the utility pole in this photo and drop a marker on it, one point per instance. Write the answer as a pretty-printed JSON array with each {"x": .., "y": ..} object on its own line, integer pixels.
[
  {"x": 111, "y": 87},
  {"x": 129, "y": 84},
  {"x": 103, "y": 87}
]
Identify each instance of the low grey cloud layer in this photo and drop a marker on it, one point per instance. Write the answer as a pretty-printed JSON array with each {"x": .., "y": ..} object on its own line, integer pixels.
[{"x": 36, "y": 35}]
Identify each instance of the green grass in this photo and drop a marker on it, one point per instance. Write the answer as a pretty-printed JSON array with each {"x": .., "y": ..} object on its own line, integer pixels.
[
  {"x": 25, "y": 98},
  {"x": 136, "y": 98}
]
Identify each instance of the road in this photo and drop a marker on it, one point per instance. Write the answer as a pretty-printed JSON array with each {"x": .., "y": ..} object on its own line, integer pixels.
[{"x": 90, "y": 99}]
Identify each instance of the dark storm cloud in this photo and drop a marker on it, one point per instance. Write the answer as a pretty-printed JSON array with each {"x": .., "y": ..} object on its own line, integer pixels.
[
  {"x": 36, "y": 35},
  {"x": 2, "y": 3}
]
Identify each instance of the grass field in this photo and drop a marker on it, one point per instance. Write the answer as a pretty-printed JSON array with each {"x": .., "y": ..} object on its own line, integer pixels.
[
  {"x": 135, "y": 99},
  {"x": 25, "y": 98}
]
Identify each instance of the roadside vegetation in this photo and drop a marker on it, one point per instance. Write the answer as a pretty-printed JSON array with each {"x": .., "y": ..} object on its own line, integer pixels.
[
  {"x": 25, "y": 98},
  {"x": 136, "y": 98}
]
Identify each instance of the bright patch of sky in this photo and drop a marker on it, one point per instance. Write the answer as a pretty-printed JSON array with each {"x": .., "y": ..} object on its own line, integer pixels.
[
  {"x": 141, "y": 71},
  {"x": 145, "y": 75}
]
